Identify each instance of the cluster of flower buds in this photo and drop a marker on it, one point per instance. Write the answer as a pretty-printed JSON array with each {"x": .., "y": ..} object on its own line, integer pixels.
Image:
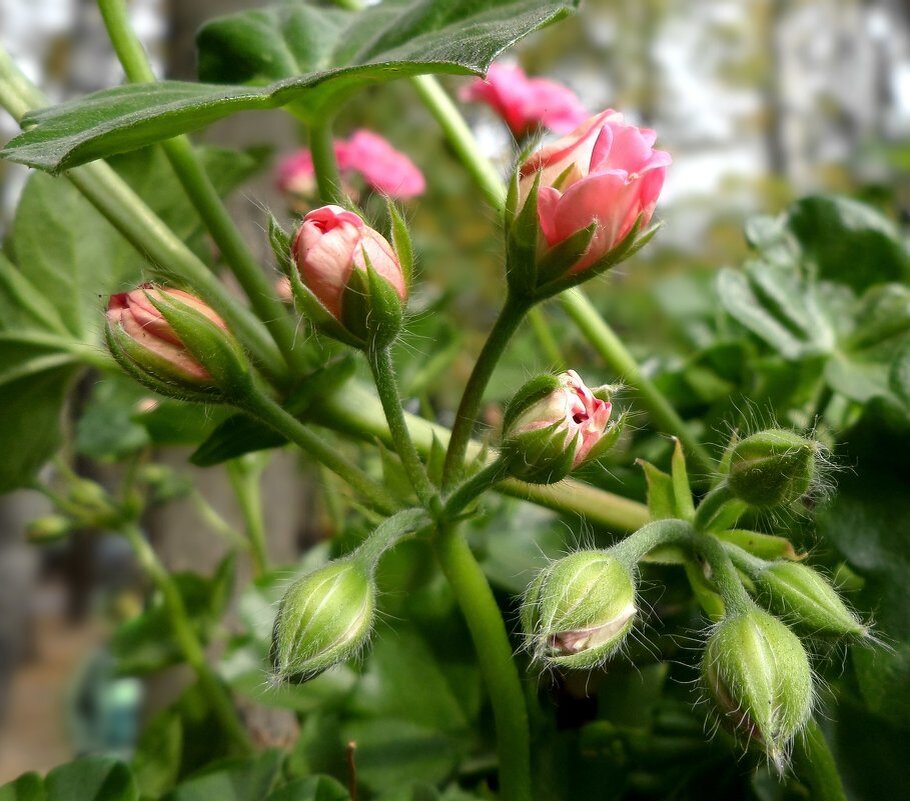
[
  {"x": 581, "y": 205},
  {"x": 324, "y": 618},
  {"x": 348, "y": 280},
  {"x": 757, "y": 672},
  {"x": 579, "y": 609},
  {"x": 175, "y": 344},
  {"x": 555, "y": 424}
]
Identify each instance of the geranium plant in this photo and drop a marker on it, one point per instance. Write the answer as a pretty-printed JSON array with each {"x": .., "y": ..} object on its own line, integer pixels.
[{"x": 442, "y": 643}]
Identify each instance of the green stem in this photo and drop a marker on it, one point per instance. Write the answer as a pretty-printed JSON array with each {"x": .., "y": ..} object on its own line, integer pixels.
[
  {"x": 277, "y": 418},
  {"x": 636, "y": 546},
  {"x": 544, "y": 334},
  {"x": 245, "y": 479},
  {"x": 322, "y": 149},
  {"x": 616, "y": 355},
  {"x": 201, "y": 191},
  {"x": 461, "y": 139},
  {"x": 189, "y": 644},
  {"x": 723, "y": 573},
  {"x": 475, "y": 486},
  {"x": 718, "y": 510},
  {"x": 494, "y": 653},
  {"x": 816, "y": 765},
  {"x": 383, "y": 369},
  {"x": 509, "y": 318}
]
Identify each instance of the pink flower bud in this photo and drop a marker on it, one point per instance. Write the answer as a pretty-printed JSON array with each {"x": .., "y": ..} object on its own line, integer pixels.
[
  {"x": 524, "y": 103},
  {"x": 605, "y": 172},
  {"x": 578, "y": 415},
  {"x": 330, "y": 245},
  {"x": 136, "y": 316}
]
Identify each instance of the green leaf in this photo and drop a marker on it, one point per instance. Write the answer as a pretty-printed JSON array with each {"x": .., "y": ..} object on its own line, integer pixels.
[
  {"x": 146, "y": 643},
  {"x": 156, "y": 763},
  {"x": 107, "y": 429},
  {"x": 28, "y": 787},
  {"x": 91, "y": 779},
  {"x": 232, "y": 780},
  {"x": 848, "y": 241},
  {"x": 313, "y": 788},
  {"x": 329, "y": 53}
]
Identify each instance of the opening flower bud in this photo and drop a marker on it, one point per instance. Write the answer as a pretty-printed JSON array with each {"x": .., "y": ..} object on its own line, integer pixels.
[
  {"x": 350, "y": 279},
  {"x": 759, "y": 677},
  {"x": 604, "y": 178},
  {"x": 797, "y": 591},
  {"x": 172, "y": 342},
  {"x": 772, "y": 468},
  {"x": 553, "y": 425},
  {"x": 324, "y": 618},
  {"x": 578, "y": 610}
]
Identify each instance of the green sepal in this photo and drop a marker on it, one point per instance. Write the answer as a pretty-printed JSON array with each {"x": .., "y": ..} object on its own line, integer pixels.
[
  {"x": 608, "y": 440},
  {"x": 386, "y": 311},
  {"x": 530, "y": 393},
  {"x": 155, "y": 372},
  {"x": 281, "y": 242},
  {"x": 560, "y": 258},
  {"x": 661, "y": 498},
  {"x": 356, "y": 306},
  {"x": 436, "y": 461},
  {"x": 682, "y": 492},
  {"x": 543, "y": 456},
  {"x": 521, "y": 247},
  {"x": 214, "y": 348},
  {"x": 401, "y": 241},
  {"x": 764, "y": 546},
  {"x": 318, "y": 315}
]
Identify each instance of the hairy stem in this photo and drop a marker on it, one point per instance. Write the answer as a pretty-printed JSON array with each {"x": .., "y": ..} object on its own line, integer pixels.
[
  {"x": 215, "y": 693},
  {"x": 816, "y": 765},
  {"x": 245, "y": 480},
  {"x": 494, "y": 653},
  {"x": 322, "y": 149}
]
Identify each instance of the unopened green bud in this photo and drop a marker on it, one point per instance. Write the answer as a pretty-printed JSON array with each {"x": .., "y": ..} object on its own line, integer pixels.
[
  {"x": 772, "y": 468},
  {"x": 48, "y": 529},
  {"x": 796, "y": 590},
  {"x": 758, "y": 674},
  {"x": 324, "y": 618},
  {"x": 579, "y": 609}
]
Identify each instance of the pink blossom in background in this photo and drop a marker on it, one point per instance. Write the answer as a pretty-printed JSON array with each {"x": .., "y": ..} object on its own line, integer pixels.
[
  {"x": 523, "y": 102},
  {"x": 382, "y": 167},
  {"x": 606, "y": 171}
]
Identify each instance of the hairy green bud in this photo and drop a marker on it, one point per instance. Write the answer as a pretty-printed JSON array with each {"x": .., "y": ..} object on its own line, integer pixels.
[
  {"x": 759, "y": 677},
  {"x": 797, "y": 590},
  {"x": 579, "y": 609},
  {"x": 772, "y": 468},
  {"x": 324, "y": 618}
]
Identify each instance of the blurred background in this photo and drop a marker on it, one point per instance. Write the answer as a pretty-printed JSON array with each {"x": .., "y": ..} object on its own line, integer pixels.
[{"x": 759, "y": 102}]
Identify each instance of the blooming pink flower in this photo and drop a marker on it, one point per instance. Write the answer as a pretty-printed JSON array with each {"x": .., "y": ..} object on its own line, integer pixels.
[
  {"x": 365, "y": 153},
  {"x": 333, "y": 242},
  {"x": 605, "y": 171},
  {"x": 572, "y": 408},
  {"x": 523, "y": 102},
  {"x": 385, "y": 169},
  {"x": 138, "y": 318}
]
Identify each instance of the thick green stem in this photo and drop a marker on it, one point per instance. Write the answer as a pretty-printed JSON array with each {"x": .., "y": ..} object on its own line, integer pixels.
[
  {"x": 143, "y": 229},
  {"x": 544, "y": 334},
  {"x": 322, "y": 149},
  {"x": 612, "y": 350},
  {"x": 494, "y": 653},
  {"x": 201, "y": 191},
  {"x": 189, "y": 644},
  {"x": 461, "y": 139},
  {"x": 635, "y": 547},
  {"x": 723, "y": 573},
  {"x": 245, "y": 479},
  {"x": 380, "y": 360},
  {"x": 815, "y": 764},
  {"x": 508, "y": 321},
  {"x": 274, "y": 416},
  {"x": 475, "y": 486}
]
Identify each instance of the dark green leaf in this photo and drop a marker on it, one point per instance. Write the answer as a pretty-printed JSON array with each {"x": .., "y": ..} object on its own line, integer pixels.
[
  {"x": 330, "y": 53},
  {"x": 313, "y": 788},
  {"x": 156, "y": 763},
  {"x": 107, "y": 430},
  {"x": 91, "y": 779},
  {"x": 28, "y": 787},
  {"x": 232, "y": 780}
]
